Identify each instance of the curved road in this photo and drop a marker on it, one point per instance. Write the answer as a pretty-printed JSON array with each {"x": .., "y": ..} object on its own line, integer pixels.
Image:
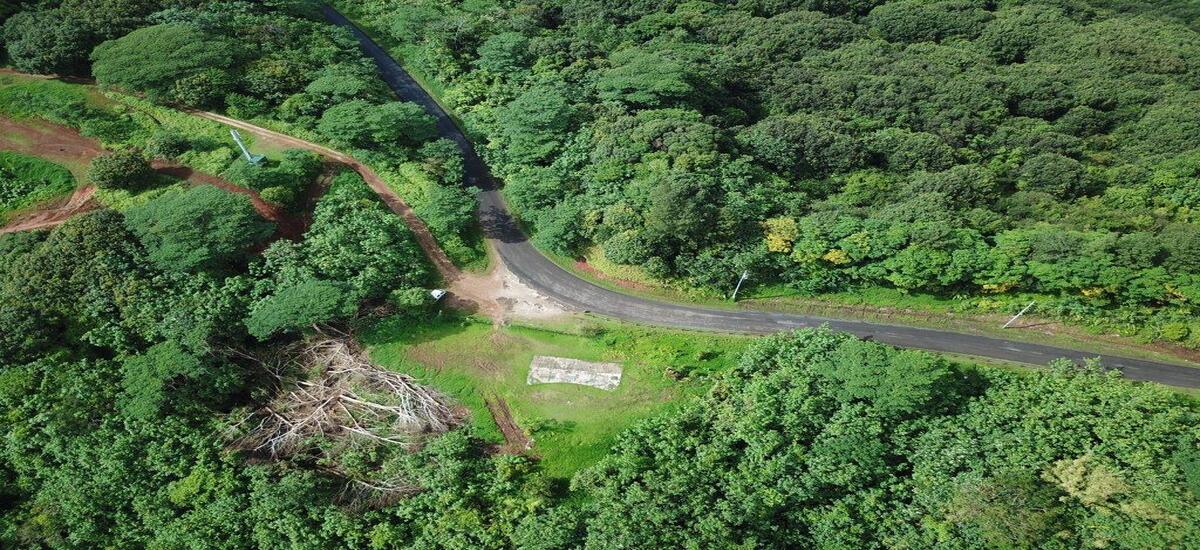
[{"x": 537, "y": 271}]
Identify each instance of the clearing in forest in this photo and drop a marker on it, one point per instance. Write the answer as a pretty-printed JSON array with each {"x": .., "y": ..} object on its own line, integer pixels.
[
  {"x": 571, "y": 426},
  {"x": 64, "y": 145}
]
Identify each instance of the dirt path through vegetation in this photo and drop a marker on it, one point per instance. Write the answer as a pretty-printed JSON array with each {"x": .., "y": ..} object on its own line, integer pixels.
[
  {"x": 54, "y": 214},
  {"x": 515, "y": 440},
  {"x": 53, "y": 142},
  {"x": 64, "y": 145},
  {"x": 497, "y": 294},
  {"x": 440, "y": 260}
]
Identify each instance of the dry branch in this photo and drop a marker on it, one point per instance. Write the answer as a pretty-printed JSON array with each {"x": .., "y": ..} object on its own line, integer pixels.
[{"x": 347, "y": 401}]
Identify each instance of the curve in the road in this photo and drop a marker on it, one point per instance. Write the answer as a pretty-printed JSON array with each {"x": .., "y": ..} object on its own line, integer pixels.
[{"x": 539, "y": 272}]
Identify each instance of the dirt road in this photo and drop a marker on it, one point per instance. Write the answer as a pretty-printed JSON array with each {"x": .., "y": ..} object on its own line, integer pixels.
[{"x": 64, "y": 145}]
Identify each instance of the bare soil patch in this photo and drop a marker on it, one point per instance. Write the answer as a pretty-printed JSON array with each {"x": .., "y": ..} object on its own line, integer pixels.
[
  {"x": 66, "y": 146},
  {"x": 54, "y": 213},
  {"x": 515, "y": 440}
]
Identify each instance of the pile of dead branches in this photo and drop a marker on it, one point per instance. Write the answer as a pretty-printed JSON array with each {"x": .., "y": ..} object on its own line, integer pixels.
[{"x": 342, "y": 401}]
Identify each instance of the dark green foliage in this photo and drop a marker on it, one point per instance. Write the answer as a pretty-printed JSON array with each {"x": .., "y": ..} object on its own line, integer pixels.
[
  {"x": 795, "y": 450},
  {"x": 1052, "y": 173},
  {"x": 45, "y": 42},
  {"x": 172, "y": 61},
  {"x": 803, "y": 145},
  {"x": 123, "y": 169},
  {"x": 926, "y": 21},
  {"x": 27, "y": 332},
  {"x": 200, "y": 228}
]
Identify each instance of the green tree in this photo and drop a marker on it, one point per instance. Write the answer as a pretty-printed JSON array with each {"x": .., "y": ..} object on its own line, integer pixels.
[
  {"x": 644, "y": 78},
  {"x": 148, "y": 378},
  {"x": 358, "y": 123},
  {"x": 152, "y": 60},
  {"x": 300, "y": 306},
  {"x": 201, "y": 228},
  {"x": 121, "y": 169},
  {"x": 46, "y": 42}
]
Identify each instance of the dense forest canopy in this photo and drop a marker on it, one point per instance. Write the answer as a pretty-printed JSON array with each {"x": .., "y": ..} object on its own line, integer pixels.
[
  {"x": 925, "y": 145},
  {"x": 952, "y": 147}
]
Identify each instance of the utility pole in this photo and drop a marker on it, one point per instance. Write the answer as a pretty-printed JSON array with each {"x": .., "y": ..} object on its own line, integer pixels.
[
  {"x": 1020, "y": 313},
  {"x": 745, "y": 275},
  {"x": 252, "y": 159}
]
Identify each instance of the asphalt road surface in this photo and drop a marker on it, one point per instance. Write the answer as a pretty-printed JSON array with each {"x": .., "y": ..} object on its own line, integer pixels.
[{"x": 537, "y": 271}]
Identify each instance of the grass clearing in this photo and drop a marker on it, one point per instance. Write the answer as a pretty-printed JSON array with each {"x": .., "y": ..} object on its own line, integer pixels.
[
  {"x": 26, "y": 181},
  {"x": 572, "y": 426}
]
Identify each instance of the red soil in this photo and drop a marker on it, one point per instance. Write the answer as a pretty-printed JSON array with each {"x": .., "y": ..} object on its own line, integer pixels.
[{"x": 65, "y": 145}]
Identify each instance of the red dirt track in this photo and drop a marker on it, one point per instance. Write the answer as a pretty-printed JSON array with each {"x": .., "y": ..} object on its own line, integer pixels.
[{"x": 64, "y": 145}]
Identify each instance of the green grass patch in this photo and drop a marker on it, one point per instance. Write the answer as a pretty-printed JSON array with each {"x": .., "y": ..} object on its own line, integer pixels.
[
  {"x": 26, "y": 96},
  {"x": 120, "y": 199},
  {"x": 572, "y": 426},
  {"x": 26, "y": 181}
]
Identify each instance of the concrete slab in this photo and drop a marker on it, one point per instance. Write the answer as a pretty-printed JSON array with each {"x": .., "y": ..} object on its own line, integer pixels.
[{"x": 562, "y": 370}]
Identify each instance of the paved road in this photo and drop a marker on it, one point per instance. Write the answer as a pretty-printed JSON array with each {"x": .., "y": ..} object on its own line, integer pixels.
[{"x": 551, "y": 280}]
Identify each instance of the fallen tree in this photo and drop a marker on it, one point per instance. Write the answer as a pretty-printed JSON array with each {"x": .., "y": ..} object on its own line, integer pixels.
[{"x": 342, "y": 402}]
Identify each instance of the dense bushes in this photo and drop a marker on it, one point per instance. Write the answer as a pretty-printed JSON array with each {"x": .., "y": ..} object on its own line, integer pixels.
[
  {"x": 202, "y": 227},
  {"x": 171, "y": 61},
  {"x": 355, "y": 250},
  {"x": 281, "y": 182},
  {"x": 824, "y": 441},
  {"x": 121, "y": 169},
  {"x": 858, "y": 123},
  {"x": 115, "y": 377}
]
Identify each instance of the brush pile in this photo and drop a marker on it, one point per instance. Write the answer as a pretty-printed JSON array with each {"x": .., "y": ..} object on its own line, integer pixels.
[{"x": 343, "y": 404}]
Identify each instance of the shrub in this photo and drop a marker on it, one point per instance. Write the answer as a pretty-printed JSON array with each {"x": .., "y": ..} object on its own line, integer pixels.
[
  {"x": 167, "y": 144},
  {"x": 166, "y": 61},
  {"x": 124, "y": 169},
  {"x": 199, "y": 228},
  {"x": 299, "y": 306}
]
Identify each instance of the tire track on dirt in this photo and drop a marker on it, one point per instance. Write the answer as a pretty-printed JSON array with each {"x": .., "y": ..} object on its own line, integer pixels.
[
  {"x": 515, "y": 440},
  {"x": 65, "y": 145}
]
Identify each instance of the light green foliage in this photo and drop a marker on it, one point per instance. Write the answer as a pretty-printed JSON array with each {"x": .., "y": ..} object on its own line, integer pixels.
[
  {"x": 201, "y": 228},
  {"x": 354, "y": 250},
  {"x": 26, "y": 180},
  {"x": 147, "y": 378},
  {"x": 358, "y": 123},
  {"x": 645, "y": 79},
  {"x": 300, "y": 306},
  {"x": 282, "y": 182},
  {"x": 571, "y": 426}
]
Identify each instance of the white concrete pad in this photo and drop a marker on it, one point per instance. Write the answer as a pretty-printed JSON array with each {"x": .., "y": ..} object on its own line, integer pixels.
[{"x": 562, "y": 370}]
